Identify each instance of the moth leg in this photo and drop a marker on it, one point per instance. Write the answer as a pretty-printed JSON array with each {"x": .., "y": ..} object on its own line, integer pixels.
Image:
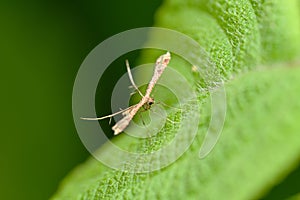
[
  {"x": 169, "y": 120},
  {"x": 164, "y": 104},
  {"x": 131, "y": 79},
  {"x": 141, "y": 117}
]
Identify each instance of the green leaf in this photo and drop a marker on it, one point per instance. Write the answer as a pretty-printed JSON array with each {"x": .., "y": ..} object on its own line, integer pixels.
[
  {"x": 296, "y": 197},
  {"x": 260, "y": 139}
]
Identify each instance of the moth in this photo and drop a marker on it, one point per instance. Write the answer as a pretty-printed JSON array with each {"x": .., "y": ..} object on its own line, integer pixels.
[{"x": 146, "y": 101}]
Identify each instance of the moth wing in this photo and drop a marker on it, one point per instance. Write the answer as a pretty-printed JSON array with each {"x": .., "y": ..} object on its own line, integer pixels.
[{"x": 122, "y": 124}]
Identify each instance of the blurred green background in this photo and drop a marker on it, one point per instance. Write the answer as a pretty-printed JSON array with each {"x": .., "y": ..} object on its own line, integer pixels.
[{"x": 42, "y": 46}]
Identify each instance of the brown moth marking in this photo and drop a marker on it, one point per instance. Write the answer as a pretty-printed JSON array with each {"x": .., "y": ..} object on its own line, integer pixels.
[{"x": 146, "y": 101}]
